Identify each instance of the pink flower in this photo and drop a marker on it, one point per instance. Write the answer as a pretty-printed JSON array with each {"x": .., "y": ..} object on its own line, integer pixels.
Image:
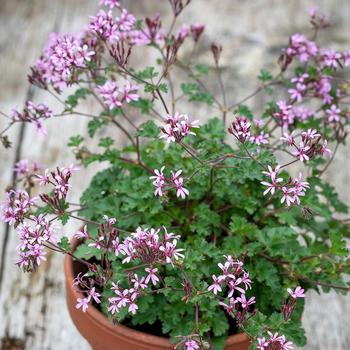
[
  {"x": 94, "y": 295},
  {"x": 285, "y": 115},
  {"x": 302, "y": 48},
  {"x": 301, "y": 152},
  {"x": 104, "y": 26},
  {"x": 325, "y": 150},
  {"x": 159, "y": 181},
  {"x": 302, "y": 113},
  {"x": 216, "y": 286},
  {"x": 151, "y": 276},
  {"x": 61, "y": 57},
  {"x": 297, "y": 93},
  {"x": 230, "y": 308},
  {"x": 333, "y": 114},
  {"x": 132, "y": 305},
  {"x": 191, "y": 345},
  {"x": 261, "y": 139},
  {"x": 183, "y": 32},
  {"x": 240, "y": 129},
  {"x": 297, "y": 293},
  {"x": 16, "y": 206},
  {"x": 110, "y": 93},
  {"x": 310, "y": 134},
  {"x": 110, "y": 3},
  {"x": 129, "y": 92},
  {"x": 82, "y": 234},
  {"x": 288, "y": 138},
  {"x": 287, "y": 198},
  {"x": 138, "y": 283},
  {"x": 177, "y": 127},
  {"x": 126, "y": 21},
  {"x": 82, "y": 303},
  {"x": 244, "y": 302},
  {"x": 22, "y": 167},
  {"x": 346, "y": 58},
  {"x": 235, "y": 285},
  {"x": 271, "y": 187},
  {"x": 196, "y": 31},
  {"x": 98, "y": 243},
  {"x": 330, "y": 58},
  {"x": 262, "y": 343},
  {"x": 181, "y": 191},
  {"x": 116, "y": 246}
]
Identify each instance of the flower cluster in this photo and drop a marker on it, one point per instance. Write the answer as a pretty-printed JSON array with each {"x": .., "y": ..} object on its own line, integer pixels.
[
  {"x": 33, "y": 238},
  {"x": 24, "y": 168},
  {"x": 233, "y": 279},
  {"x": 291, "y": 190},
  {"x": 16, "y": 207},
  {"x": 87, "y": 286},
  {"x": 308, "y": 146},
  {"x": 110, "y": 3},
  {"x": 147, "y": 246},
  {"x": 63, "y": 55},
  {"x": 240, "y": 129},
  {"x": 188, "y": 343},
  {"x": 144, "y": 246},
  {"x": 274, "y": 342},
  {"x": 114, "y": 29},
  {"x": 177, "y": 127},
  {"x": 161, "y": 183},
  {"x": 115, "y": 95},
  {"x": 301, "y": 48},
  {"x": 33, "y": 113}
]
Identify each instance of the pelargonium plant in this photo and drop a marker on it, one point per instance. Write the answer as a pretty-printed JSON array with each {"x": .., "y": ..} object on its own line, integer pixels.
[{"x": 201, "y": 217}]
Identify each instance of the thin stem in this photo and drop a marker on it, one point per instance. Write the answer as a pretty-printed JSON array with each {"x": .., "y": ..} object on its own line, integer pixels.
[
  {"x": 323, "y": 284},
  {"x": 162, "y": 100},
  {"x": 94, "y": 222},
  {"x": 126, "y": 132},
  {"x": 330, "y": 161},
  {"x": 223, "y": 93},
  {"x": 191, "y": 153},
  {"x": 252, "y": 157}
]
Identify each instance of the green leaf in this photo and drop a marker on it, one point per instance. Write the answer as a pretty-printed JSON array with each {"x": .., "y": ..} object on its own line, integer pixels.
[
  {"x": 73, "y": 100},
  {"x": 265, "y": 75},
  {"x": 219, "y": 342},
  {"x": 244, "y": 111},
  {"x": 64, "y": 218},
  {"x": 75, "y": 141},
  {"x": 147, "y": 73},
  {"x": 143, "y": 104},
  {"x": 106, "y": 142},
  {"x": 64, "y": 244},
  {"x": 94, "y": 125},
  {"x": 195, "y": 93},
  {"x": 202, "y": 68},
  {"x": 148, "y": 129}
]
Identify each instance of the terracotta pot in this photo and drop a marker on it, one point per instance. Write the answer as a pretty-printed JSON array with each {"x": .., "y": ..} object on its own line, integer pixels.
[{"x": 103, "y": 335}]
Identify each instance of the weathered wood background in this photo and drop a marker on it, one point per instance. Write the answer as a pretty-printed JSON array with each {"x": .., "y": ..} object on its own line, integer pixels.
[{"x": 33, "y": 314}]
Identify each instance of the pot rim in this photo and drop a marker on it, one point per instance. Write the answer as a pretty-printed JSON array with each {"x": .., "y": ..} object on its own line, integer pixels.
[{"x": 102, "y": 321}]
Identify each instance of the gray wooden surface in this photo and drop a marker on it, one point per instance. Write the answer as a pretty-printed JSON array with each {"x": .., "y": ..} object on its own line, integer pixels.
[{"x": 32, "y": 307}]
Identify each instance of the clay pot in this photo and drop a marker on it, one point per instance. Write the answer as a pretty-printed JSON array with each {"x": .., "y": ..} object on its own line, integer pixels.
[{"x": 103, "y": 335}]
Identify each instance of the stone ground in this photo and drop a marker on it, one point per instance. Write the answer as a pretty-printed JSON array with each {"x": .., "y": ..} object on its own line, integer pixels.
[{"x": 33, "y": 315}]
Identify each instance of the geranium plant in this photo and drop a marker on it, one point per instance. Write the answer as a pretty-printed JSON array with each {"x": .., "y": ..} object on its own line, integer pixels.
[{"x": 199, "y": 216}]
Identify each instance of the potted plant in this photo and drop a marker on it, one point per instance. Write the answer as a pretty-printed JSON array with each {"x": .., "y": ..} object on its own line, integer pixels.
[{"x": 196, "y": 236}]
